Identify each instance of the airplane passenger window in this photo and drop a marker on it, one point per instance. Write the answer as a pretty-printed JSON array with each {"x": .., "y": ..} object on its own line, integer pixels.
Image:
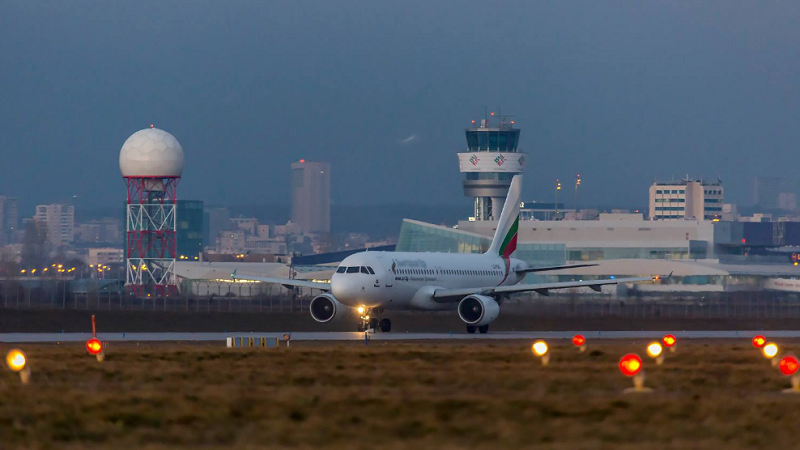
[
  {"x": 371, "y": 272},
  {"x": 341, "y": 269},
  {"x": 364, "y": 270},
  {"x": 353, "y": 269}
]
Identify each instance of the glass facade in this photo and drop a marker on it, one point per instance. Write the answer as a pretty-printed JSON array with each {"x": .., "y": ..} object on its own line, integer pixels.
[
  {"x": 601, "y": 253},
  {"x": 418, "y": 237},
  {"x": 492, "y": 139},
  {"x": 189, "y": 224}
]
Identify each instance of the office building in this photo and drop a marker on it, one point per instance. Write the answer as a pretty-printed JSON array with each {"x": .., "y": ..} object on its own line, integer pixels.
[
  {"x": 189, "y": 229},
  {"x": 311, "y": 196},
  {"x": 58, "y": 221},
  {"x": 686, "y": 199},
  {"x": 214, "y": 221},
  {"x": 9, "y": 219},
  {"x": 768, "y": 192}
]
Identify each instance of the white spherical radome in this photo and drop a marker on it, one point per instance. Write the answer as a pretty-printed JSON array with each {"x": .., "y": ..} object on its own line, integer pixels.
[{"x": 151, "y": 153}]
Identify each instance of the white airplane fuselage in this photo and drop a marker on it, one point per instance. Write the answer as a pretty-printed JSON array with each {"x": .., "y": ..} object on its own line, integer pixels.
[{"x": 408, "y": 280}]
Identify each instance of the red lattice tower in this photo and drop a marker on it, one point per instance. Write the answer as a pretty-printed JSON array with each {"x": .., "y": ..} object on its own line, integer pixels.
[{"x": 151, "y": 162}]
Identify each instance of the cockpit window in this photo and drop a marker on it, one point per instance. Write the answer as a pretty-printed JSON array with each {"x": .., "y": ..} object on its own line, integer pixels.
[
  {"x": 341, "y": 269},
  {"x": 364, "y": 270},
  {"x": 371, "y": 272},
  {"x": 353, "y": 269}
]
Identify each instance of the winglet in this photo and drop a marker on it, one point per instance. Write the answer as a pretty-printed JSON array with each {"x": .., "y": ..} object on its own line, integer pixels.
[
  {"x": 658, "y": 277},
  {"x": 233, "y": 274}
]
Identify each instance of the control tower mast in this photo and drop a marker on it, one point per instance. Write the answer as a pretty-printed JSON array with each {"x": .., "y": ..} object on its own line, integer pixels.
[{"x": 490, "y": 162}]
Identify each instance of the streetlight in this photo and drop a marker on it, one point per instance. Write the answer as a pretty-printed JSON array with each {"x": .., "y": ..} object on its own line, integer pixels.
[{"x": 558, "y": 188}]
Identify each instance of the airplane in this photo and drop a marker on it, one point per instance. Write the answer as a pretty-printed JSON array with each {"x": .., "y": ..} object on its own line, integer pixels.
[{"x": 473, "y": 284}]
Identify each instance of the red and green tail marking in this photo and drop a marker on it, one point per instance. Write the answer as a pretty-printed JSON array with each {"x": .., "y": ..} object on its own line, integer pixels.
[{"x": 510, "y": 242}]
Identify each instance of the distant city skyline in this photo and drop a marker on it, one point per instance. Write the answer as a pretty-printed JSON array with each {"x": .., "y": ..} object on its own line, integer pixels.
[{"x": 623, "y": 93}]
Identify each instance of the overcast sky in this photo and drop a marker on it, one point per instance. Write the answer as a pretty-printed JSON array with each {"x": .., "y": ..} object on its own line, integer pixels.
[{"x": 622, "y": 92}]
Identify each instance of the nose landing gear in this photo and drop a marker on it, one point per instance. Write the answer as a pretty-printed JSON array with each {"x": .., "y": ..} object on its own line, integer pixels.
[{"x": 373, "y": 323}]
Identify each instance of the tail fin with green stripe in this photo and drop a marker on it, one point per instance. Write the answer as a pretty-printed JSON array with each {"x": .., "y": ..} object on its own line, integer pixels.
[{"x": 505, "y": 236}]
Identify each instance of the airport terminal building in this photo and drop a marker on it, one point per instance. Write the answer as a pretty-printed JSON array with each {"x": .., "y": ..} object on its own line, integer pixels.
[{"x": 702, "y": 255}]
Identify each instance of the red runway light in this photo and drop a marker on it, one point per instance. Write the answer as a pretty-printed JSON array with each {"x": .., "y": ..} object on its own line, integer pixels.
[
  {"x": 759, "y": 341},
  {"x": 669, "y": 340},
  {"x": 94, "y": 346},
  {"x": 578, "y": 340},
  {"x": 789, "y": 365},
  {"x": 630, "y": 364}
]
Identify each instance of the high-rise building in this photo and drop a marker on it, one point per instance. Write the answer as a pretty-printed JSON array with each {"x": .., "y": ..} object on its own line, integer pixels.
[
  {"x": 214, "y": 221},
  {"x": 311, "y": 196},
  {"x": 189, "y": 228},
  {"x": 490, "y": 162},
  {"x": 685, "y": 199},
  {"x": 58, "y": 220},
  {"x": 9, "y": 218},
  {"x": 768, "y": 192}
]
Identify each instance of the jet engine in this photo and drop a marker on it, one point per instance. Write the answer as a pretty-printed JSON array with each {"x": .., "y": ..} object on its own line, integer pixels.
[
  {"x": 478, "y": 310},
  {"x": 326, "y": 309}
]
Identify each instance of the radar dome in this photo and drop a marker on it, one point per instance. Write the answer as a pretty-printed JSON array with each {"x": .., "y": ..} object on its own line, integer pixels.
[{"x": 151, "y": 153}]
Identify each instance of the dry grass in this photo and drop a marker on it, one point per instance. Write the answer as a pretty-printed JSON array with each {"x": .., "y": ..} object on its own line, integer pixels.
[{"x": 394, "y": 395}]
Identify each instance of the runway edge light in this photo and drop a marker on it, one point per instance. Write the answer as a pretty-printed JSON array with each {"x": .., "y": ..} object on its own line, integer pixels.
[
  {"x": 656, "y": 351},
  {"x": 770, "y": 351},
  {"x": 93, "y": 345},
  {"x": 541, "y": 350},
  {"x": 631, "y": 366},
  {"x": 759, "y": 341},
  {"x": 579, "y": 341},
  {"x": 18, "y": 362},
  {"x": 789, "y": 366},
  {"x": 669, "y": 342}
]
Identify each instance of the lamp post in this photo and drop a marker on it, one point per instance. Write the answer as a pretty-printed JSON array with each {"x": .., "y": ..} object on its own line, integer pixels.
[{"x": 558, "y": 188}]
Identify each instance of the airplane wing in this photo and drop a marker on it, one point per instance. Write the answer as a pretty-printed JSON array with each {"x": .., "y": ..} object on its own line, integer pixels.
[
  {"x": 545, "y": 269},
  {"x": 453, "y": 295},
  {"x": 286, "y": 282}
]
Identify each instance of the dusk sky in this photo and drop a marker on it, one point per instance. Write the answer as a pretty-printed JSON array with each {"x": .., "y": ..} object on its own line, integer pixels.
[{"x": 622, "y": 92}]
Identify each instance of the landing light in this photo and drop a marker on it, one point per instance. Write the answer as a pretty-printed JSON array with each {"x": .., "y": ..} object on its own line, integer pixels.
[
  {"x": 759, "y": 341},
  {"x": 361, "y": 310}
]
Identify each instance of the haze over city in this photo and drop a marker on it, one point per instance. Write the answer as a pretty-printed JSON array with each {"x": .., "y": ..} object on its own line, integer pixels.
[{"x": 384, "y": 90}]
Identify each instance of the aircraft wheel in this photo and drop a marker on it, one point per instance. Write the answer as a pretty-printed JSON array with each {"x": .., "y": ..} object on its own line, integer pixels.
[
  {"x": 483, "y": 329},
  {"x": 360, "y": 328},
  {"x": 470, "y": 329},
  {"x": 386, "y": 325}
]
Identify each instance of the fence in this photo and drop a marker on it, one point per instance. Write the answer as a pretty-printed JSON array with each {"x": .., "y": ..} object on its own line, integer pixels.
[{"x": 764, "y": 304}]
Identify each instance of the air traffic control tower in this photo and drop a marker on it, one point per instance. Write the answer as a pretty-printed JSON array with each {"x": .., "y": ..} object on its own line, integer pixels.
[{"x": 491, "y": 160}]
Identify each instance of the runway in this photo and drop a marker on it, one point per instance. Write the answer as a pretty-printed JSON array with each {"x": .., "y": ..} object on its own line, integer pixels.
[{"x": 355, "y": 336}]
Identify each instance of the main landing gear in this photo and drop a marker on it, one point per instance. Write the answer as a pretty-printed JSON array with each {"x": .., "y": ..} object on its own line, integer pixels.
[
  {"x": 373, "y": 323},
  {"x": 483, "y": 329}
]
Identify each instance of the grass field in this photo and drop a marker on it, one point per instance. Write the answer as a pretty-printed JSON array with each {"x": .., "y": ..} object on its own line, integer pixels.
[{"x": 710, "y": 394}]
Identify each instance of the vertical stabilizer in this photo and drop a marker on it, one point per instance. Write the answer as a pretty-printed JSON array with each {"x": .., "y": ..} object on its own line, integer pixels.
[{"x": 505, "y": 237}]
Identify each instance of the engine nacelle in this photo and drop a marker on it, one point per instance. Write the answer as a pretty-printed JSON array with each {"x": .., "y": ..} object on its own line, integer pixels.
[
  {"x": 326, "y": 309},
  {"x": 478, "y": 310}
]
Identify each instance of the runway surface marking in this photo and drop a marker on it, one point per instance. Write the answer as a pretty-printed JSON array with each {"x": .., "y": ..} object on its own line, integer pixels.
[{"x": 356, "y": 336}]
